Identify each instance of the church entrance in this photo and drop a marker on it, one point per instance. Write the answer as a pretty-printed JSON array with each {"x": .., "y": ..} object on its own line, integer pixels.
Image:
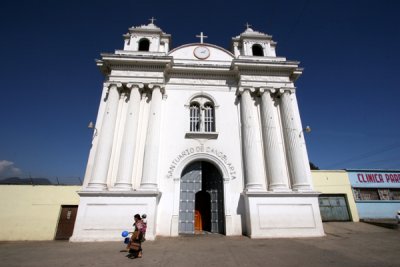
[{"x": 201, "y": 205}]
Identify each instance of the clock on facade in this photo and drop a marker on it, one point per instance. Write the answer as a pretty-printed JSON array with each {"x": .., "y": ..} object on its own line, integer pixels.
[{"x": 201, "y": 52}]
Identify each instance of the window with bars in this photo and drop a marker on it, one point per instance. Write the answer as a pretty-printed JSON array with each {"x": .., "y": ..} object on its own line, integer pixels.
[
  {"x": 369, "y": 194},
  {"x": 209, "y": 118},
  {"x": 384, "y": 194},
  {"x": 395, "y": 194},
  {"x": 194, "y": 117},
  {"x": 202, "y": 115},
  {"x": 376, "y": 194}
]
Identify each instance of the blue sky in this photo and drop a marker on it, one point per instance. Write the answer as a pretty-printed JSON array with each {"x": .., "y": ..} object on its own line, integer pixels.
[{"x": 50, "y": 85}]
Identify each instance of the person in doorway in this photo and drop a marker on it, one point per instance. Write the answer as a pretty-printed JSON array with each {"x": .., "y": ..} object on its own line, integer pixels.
[
  {"x": 398, "y": 216},
  {"x": 135, "y": 244}
]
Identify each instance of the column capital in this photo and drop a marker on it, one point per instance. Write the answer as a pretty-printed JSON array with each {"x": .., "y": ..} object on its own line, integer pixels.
[
  {"x": 153, "y": 86},
  {"x": 113, "y": 84},
  {"x": 134, "y": 85},
  {"x": 110, "y": 85},
  {"x": 271, "y": 90},
  {"x": 131, "y": 89},
  {"x": 241, "y": 90},
  {"x": 290, "y": 90}
]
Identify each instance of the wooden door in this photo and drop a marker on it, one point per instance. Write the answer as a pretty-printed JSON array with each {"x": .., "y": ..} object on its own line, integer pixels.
[
  {"x": 66, "y": 222},
  {"x": 198, "y": 226}
]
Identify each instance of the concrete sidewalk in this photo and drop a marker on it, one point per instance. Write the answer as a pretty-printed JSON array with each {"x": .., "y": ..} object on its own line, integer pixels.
[{"x": 345, "y": 245}]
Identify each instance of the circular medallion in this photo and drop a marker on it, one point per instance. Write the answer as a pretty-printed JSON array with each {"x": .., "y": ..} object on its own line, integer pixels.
[{"x": 201, "y": 52}]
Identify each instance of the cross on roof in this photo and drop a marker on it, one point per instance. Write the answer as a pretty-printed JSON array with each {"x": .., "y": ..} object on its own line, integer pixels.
[
  {"x": 152, "y": 20},
  {"x": 248, "y": 25},
  {"x": 201, "y": 36}
]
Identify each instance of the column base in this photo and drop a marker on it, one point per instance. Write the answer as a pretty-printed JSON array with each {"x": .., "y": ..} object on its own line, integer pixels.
[
  {"x": 121, "y": 187},
  {"x": 96, "y": 187},
  {"x": 148, "y": 187},
  {"x": 279, "y": 188},
  {"x": 302, "y": 188},
  {"x": 254, "y": 188}
]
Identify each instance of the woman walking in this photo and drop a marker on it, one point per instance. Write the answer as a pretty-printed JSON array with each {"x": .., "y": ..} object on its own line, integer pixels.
[{"x": 135, "y": 244}]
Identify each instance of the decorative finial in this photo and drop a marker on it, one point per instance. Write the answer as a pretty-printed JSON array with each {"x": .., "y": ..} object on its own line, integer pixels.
[
  {"x": 201, "y": 36},
  {"x": 152, "y": 20},
  {"x": 248, "y": 25}
]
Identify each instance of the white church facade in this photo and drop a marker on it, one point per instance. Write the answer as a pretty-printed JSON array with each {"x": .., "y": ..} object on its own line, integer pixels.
[{"x": 200, "y": 139}]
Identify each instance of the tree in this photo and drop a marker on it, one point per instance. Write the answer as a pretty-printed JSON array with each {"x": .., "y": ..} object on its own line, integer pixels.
[{"x": 313, "y": 166}]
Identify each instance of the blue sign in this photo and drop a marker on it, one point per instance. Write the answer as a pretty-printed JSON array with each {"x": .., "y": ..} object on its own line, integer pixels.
[{"x": 371, "y": 179}]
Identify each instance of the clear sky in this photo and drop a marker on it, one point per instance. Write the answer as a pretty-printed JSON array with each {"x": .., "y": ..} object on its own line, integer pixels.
[{"x": 50, "y": 86}]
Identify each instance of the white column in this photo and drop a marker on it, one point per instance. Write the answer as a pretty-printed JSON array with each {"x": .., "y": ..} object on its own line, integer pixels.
[
  {"x": 303, "y": 146},
  {"x": 292, "y": 133},
  {"x": 166, "y": 45},
  {"x": 245, "y": 49},
  {"x": 152, "y": 146},
  {"x": 127, "y": 154},
  {"x": 273, "y": 150},
  {"x": 98, "y": 179},
  {"x": 251, "y": 142},
  {"x": 236, "y": 50}
]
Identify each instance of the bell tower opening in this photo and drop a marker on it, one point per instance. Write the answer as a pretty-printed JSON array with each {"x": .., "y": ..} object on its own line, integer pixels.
[
  {"x": 201, "y": 206},
  {"x": 257, "y": 50},
  {"x": 144, "y": 45}
]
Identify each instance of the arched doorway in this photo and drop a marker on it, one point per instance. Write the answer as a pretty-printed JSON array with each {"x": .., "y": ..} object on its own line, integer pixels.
[{"x": 201, "y": 205}]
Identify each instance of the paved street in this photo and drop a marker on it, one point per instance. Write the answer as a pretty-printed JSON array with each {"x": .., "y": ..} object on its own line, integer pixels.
[{"x": 345, "y": 245}]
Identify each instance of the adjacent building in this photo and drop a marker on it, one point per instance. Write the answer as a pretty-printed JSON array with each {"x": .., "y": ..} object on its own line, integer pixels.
[
  {"x": 37, "y": 212},
  {"x": 376, "y": 192},
  {"x": 336, "y": 201}
]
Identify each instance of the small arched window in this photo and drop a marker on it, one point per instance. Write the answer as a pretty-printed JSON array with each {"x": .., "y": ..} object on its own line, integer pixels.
[
  {"x": 257, "y": 50},
  {"x": 144, "y": 44},
  {"x": 202, "y": 115}
]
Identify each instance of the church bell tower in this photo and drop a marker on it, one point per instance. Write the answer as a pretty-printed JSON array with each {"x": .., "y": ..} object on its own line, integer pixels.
[
  {"x": 147, "y": 39},
  {"x": 253, "y": 43}
]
